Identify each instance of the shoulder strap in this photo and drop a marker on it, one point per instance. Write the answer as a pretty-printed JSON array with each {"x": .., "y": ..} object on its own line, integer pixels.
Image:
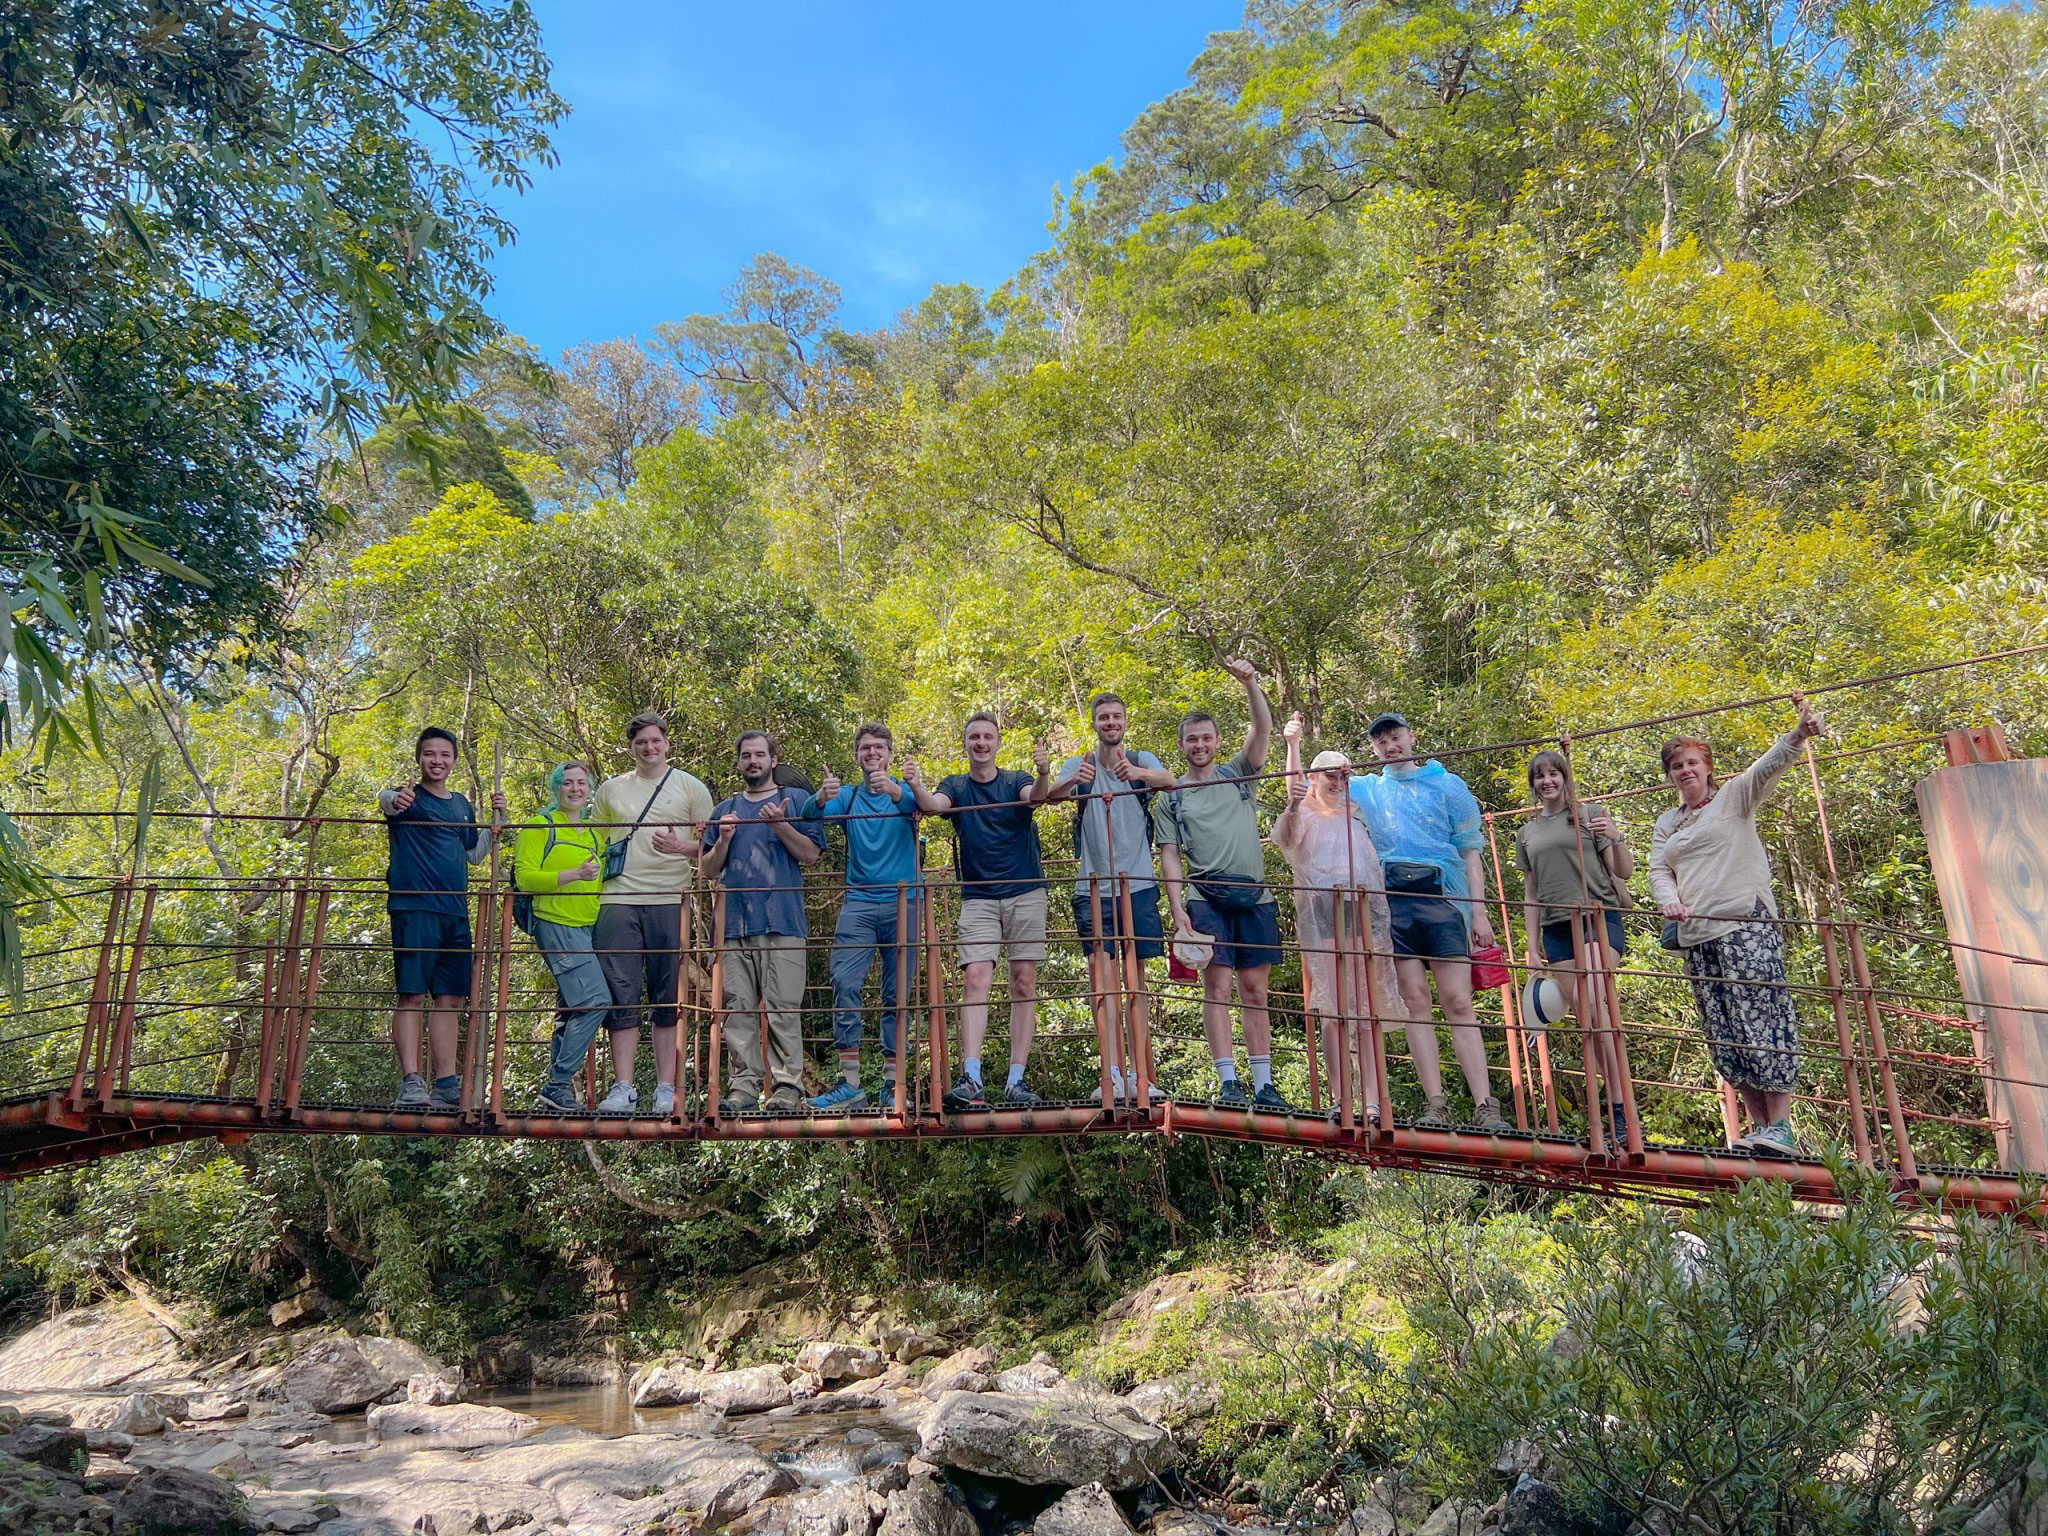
[{"x": 658, "y": 788}]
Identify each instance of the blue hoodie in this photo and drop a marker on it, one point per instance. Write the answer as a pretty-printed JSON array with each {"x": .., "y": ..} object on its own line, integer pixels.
[{"x": 1422, "y": 813}]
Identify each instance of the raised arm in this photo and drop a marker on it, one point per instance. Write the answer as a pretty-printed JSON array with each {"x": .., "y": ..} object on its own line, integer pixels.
[
  {"x": 1260, "y": 736},
  {"x": 1289, "y": 824},
  {"x": 1753, "y": 785},
  {"x": 1040, "y": 788}
]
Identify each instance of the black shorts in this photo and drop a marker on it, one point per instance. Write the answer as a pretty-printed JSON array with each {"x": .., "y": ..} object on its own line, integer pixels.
[
  {"x": 431, "y": 953},
  {"x": 1144, "y": 921},
  {"x": 1557, "y": 938},
  {"x": 1427, "y": 927},
  {"x": 1245, "y": 937}
]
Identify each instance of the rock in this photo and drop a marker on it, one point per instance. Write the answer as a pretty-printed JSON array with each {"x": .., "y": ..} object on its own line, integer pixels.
[
  {"x": 34, "y": 1499},
  {"x": 297, "y": 1311},
  {"x": 433, "y": 1391},
  {"x": 907, "y": 1345},
  {"x": 1086, "y": 1511},
  {"x": 888, "y": 1479},
  {"x": 846, "y": 1400},
  {"x": 139, "y": 1413},
  {"x": 470, "y": 1424},
  {"x": 1181, "y": 1403},
  {"x": 217, "y": 1458},
  {"x": 340, "y": 1375},
  {"x": 10, "y": 1419},
  {"x": 292, "y": 1519},
  {"x": 841, "y": 1362},
  {"x": 753, "y": 1390},
  {"x": 55, "y": 1416},
  {"x": 212, "y": 1407},
  {"x": 574, "y": 1371},
  {"x": 450, "y": 1505},
  {"x": 635, "y": 1481},
  {"x": 925, "y": 1507},
  {"x": 660, "y": 1386},
  {"x": 93, "y": 1349},
  {"x": 1387, "y": 1510},
  {"x": 838, "y": 1509},
  {"x": 109, "y": 1442},
  {"x": 1038, "y": 1374},
  {"x": 2018, "y": 1508},
  {"x": 1534, "y": 1508},
  {"x": 168, "y": 1501},
  {"x": 1045, "y": 1438},
  {"x": 965, "y": 1370},
  {"x": 56, "y": 1446},
  {"x": 503, "y": 1363},
  {"x": 1518, "y": 1456},
  {"x": 1454, "y": 1517}
]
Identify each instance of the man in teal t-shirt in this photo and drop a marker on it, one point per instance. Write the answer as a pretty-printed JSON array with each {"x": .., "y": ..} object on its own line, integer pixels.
[{"x": 879, "y": 814}]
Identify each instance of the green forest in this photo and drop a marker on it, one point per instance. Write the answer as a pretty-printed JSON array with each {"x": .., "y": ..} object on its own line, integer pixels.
[{"x": 1530, "y": 369}]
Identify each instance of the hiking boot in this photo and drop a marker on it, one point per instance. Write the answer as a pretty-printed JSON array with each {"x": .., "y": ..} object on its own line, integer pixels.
[
  {"x": 622, "y": 1100},
  {"x": 664, "y": 1099},
  {"x": 843, "y": 1095},
  {"x": 1486, "y": 1116},
  {"x": 1268, "y": 1100},
  {"x": 412, "y": 1092},
  {"x": 559, "y": 1099},
  {"x": 1774, "y": 1140},
  {"x": 1017, "y": 1096},
  {"x": 446, "y": 1098},
  {"x": 1435, "y": 1116},
  {"x": 786, "y": 1100},
  {"x": 738, "y": 1104},
  {"x": 1231, "y": 1092},
  {"x": 965, "y": 1097}
]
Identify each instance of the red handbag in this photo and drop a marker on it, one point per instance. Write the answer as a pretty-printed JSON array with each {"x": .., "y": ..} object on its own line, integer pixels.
[{"x": 1489, "y": 969}]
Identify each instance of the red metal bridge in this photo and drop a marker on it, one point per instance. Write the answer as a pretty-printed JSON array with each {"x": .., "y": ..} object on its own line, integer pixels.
[{"x": 180, "y": 1004}]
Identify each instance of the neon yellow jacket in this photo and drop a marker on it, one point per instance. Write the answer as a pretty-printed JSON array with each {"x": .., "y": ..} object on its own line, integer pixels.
[{"x": 535, "y": 867}]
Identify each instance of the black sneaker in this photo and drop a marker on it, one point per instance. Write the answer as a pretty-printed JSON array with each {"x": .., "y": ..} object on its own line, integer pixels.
[
  {"x": 734, "y": 1104},
  {"x": 445, "y": 1100},
  {"x": 558, "y": 1100},
  {"x": 1017, "y": 1096},
  {"x": 1268, "y": 1099},
  {"x": 965, "y": 1097},
  {"x": 1232, "y": 1092}
]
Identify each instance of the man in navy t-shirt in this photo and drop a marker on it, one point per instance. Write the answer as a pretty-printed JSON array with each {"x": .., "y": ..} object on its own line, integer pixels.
[
  {"x": 434, "y": 839},
  {"x": 1002, "y": 899}
]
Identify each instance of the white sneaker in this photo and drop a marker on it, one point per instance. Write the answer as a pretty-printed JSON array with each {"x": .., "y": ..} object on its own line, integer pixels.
[
  {"x": 622, "y": 1100},
  {"x": 664, "y": 1099}
]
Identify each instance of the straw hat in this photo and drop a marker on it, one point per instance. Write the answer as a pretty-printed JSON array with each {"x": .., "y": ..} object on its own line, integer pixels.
[
  {"x": 1193, "y": 950},
  {"x": 1329, "y": 757}
]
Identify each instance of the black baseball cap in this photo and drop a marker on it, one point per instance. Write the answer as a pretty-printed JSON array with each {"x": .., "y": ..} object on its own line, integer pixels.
[{"x": 1386, "y": 722}]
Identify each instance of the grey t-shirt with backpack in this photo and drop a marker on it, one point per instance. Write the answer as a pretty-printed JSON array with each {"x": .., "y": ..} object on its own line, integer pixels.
[{"x": 1114, "y": 837}]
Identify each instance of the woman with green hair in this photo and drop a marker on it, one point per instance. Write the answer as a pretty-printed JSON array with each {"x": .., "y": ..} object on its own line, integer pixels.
[{"x": 558, "y": 861}]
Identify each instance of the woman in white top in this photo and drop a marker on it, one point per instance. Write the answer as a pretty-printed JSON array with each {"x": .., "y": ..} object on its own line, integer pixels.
[
  {"x": 1712, "y": 880},
  {"x": 1327, "y": 846}
]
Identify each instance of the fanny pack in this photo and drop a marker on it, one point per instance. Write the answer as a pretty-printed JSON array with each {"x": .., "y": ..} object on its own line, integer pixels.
[
  {"x": 1231, "y": 893},
  {"x": 1406, "y": 877}
]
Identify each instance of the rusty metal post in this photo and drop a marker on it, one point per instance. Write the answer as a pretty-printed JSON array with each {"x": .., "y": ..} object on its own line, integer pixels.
[
  {"x": 904, "y": 1048},
  {"x": 1874, "y": 1021},
  {"x": 1596, "y": 1122},
  {"x": 1376, "y": 1034},
  {"x": 1141, "y": 1002},
  {"x": 1310, "y": 1005},
  {"x": 96, "y": 1004},
  {"x": 503, "y": 1009},
  {"x": 935, "y": 1000},
  {"x": 1859, "y": 1131},
  {"x": 685, "y": 1035},
  {"x": 1517, "y": 1042},
  {"x": 717, "y": 1005},
  {"x": 113, "y": 1076},
  {"x": 1341, "y": 1083},
  {"x": 295, "y": 1061},
  {"x": 472, "y": 1010},
  {"x": 1098, "y": 994}
]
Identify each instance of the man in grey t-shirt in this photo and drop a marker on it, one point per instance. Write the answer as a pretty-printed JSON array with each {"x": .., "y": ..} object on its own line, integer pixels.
[{"x": 1113, "y": 836}]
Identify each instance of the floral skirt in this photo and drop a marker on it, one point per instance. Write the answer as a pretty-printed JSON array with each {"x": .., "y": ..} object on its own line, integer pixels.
[{"x": 1738, "y": 981}]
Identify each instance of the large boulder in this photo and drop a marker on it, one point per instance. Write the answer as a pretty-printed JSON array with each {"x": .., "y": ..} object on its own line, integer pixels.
[
  {"x": 670, "y": 1385},
  {"x": 1046, "y": 1438},
  {"x": 972, "y": 1369},
  {"x": 340, "y": 1375},
  {"x": 837, "y": 1509},
  {"x": 92, "y": 1350},
  {"x": 636, "y": 1481},
  {"x": 139, "y": 1413},
  {"x": 433, "y": 1391},
  {"x": 33, "y": 1499},
  {"x": 1534, "y": 1508},
  {"x": 1038, "y": 1374},
  {"x": 56, "y": 1446},
  {"x": 1454, "y": 1517},
  {"x": 167, "y": 1501},
  {"x": 840, "y": 1362},
  {"x": 924, "y": 1506},
  {"x": 466, "y": 1424},
  {"x": 1088, "y": 1511},
  {"x": 1182, "y": 1403},
  {"x": 756, "y": 1389},
  {"x": 297, "y": 1311},
  {"x": 907, "y": 1345}
]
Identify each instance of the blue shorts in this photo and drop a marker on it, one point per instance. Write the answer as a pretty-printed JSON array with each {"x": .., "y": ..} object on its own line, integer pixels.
[
  {"x": 1557, "y": 938},
  {"x": 1427, "y": 928},
  {"x": 430, "y": 953},
  {"x": 1245, "y": 937},
  {"x": 1144, "y": 921}
]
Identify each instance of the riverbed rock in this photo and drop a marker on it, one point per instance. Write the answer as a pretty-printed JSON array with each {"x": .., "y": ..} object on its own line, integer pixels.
[
  {"x": 669, "y": 1385},
  {"x": 433, "y": 1391},
  {"x": 110, "y": 1442},
  {"x": 574, "y": 1371},
  {"x": 34, "y": 1498},
  {"x": 1085, "y": 1511},
  {"x": 840, "y": 1362},
  {"x": 56, "y": 1446},
  {"x": 642, "y": 1478},
  {"x": 168, "y": 1501},
  {"x": 1534, "y": 1508},
  {"x": 1454, "y": 1517},
  {"x": 753, "y": 1390},
  {"x": 972, "y": 1369},
  {"x": 1045, "y": 1438},
  {"x": 212, "y": 1407},
  {"x": 93, "y": 1349},
  {"x": 906, "y": 1346},
  {"x": 340, "y": 1375},
  {"x": 297, "y": 1311},
  {"x": 1038, "y": 1374},
  {"x": 845, "y": 1400},
  {"x": 139, "y": 1413},
  {"x": 1182, "y": 1403},
  {"x": 470, "y": 1424},
  {"x": 838, "y": 1509},
  {"x": 925, "y": 1506},
  {"x": 10, "y": 1418}
]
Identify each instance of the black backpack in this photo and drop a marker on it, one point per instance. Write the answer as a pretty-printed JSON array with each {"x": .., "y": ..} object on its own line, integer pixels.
[{"x": 1109, "y": 830}]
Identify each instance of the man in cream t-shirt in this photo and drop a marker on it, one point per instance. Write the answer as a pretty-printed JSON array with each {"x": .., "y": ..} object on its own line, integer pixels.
[{"x": 638, "y": 937}]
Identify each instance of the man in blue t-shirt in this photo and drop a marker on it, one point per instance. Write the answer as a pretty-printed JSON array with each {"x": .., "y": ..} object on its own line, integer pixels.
[
  {"x": 880, "y": 816},
  {"x": 1428, "y": 830},
  {"x": 1002, "y": 898},
  {"x": 757, "y": 845},
  {"x": 434, "y": 839}
]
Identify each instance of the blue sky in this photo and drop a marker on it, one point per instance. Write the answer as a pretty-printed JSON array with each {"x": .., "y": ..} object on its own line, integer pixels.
[{"x": 888, "y": 147}]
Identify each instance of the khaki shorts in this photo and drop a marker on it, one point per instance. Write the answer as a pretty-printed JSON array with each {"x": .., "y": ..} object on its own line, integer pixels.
[{"x": 988, "y": 926}]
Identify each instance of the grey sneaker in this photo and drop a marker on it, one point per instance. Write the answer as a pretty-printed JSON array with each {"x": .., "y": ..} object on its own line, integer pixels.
[
  {"x": 1486, "y": 1116},
  {"x": 1017, "y": 1096},
  {"x": 1774, "y": 1140},
  {"x": 446, "y": 1100},
  {"x": 622, "y": 1100},
  {"x": 664, "y": 1099},
  {"x": 412, "y": 1092},
  {"x": 738, "y": 1104},
  {"x": 558, "y": 1098},
  {"x": 1436, "y": 1115}
]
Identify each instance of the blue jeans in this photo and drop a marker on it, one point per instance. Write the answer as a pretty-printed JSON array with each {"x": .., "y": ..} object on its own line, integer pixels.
[
  {"x": 586, "y": 997},
  {"x": 866, "y": 928}
]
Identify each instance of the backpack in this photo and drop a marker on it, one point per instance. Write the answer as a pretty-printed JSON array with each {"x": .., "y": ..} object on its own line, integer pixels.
[
  {"x": 522, "y": 903},
  {"x": 1145, "y": 797}
]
